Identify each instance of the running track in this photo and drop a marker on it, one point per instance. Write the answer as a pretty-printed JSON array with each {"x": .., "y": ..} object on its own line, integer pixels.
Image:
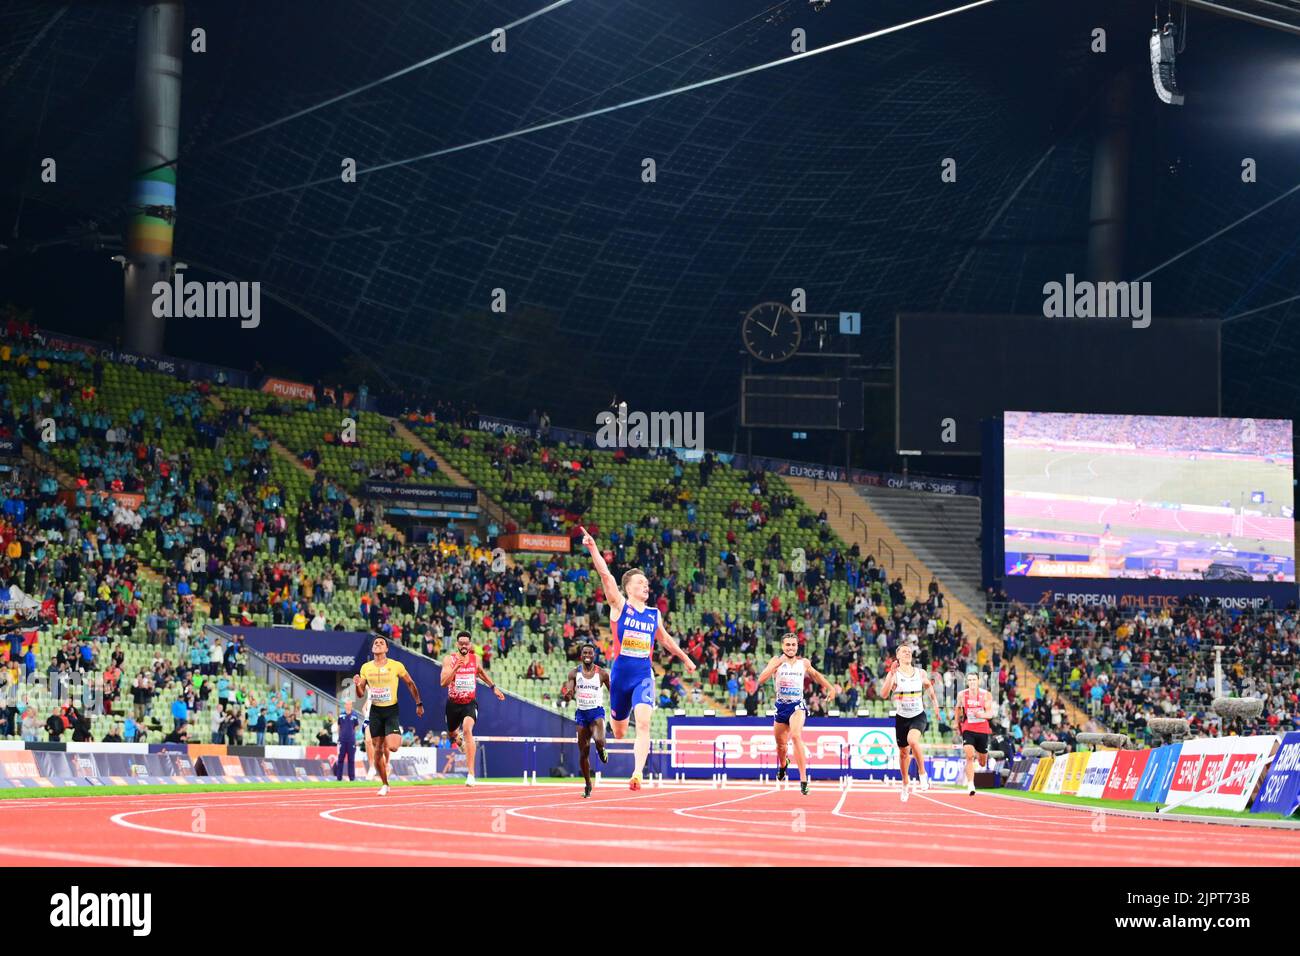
[{"x": 550, "y": 825}]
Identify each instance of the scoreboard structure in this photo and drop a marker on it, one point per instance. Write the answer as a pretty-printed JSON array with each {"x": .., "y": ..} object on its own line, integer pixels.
[{"x": 801, "y": 402}]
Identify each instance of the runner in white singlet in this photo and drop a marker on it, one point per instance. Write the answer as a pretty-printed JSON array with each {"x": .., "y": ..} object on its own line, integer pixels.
[
  {"x": 790, "y": 670},
  {"x": 586, "y": 685},
  {"x": 907, "y": 684}
]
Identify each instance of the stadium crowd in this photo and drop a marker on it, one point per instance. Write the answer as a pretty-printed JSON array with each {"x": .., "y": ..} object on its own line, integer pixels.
[
  {"x": 229, "y": 543},
  {"x": 1126, "y": 669},
  {"x": 1250, "y": 436}
]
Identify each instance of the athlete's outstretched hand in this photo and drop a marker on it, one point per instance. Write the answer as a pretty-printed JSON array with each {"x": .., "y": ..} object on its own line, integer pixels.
[
  {"x": 689, "y": 665},
  {"x": 499, "y": 692},
  {"x": 419, "y": 710},
  {"x": 588, "y": 541}
]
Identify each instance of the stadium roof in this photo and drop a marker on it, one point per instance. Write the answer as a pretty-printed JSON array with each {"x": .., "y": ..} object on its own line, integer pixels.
[{"x": 821, "y": 174}]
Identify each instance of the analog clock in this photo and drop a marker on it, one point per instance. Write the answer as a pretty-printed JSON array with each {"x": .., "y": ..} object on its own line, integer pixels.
[{"x": 771, "y": 332}]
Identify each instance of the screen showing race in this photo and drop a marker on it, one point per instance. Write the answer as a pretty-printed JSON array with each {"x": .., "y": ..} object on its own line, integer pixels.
[{"x": 1145, "y": 496}]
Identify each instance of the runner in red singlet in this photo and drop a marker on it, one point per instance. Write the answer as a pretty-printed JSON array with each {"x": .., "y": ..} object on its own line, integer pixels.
[
  {"x": 972, "y": 713},
  {"x": 461, "y": 673}
]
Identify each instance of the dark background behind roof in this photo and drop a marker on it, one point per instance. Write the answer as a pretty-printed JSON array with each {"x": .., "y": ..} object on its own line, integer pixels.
[{"x": 822, "y": 174}]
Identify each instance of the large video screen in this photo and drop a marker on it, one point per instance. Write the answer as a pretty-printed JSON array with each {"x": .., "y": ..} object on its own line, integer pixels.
[{"x": 1146, "y": 496}]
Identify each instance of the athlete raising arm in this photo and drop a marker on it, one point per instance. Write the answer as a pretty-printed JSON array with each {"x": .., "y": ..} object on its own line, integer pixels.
[{"x": 635, "y": 628}]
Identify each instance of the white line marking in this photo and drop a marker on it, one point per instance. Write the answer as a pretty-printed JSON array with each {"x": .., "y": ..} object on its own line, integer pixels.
[{"x": 121, "y": 820}]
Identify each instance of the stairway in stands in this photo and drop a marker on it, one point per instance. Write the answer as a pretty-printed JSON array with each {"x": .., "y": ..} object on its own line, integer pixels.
[{"x": 943, "y": 531}]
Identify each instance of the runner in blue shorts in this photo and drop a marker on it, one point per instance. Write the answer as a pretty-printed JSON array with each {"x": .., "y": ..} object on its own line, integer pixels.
[
  {"x": 586, "y": 685},
  {"x": 790, "y": 670},
  {"x": 635, "y": 627}
]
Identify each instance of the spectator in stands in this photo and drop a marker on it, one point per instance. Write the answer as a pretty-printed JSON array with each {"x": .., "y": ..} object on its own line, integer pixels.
[
  {"x": 751, "y": 695},
  {"x": 29, "y": 724},
  {"x": 257, "y": 719},
  {"x": 234, "y": 727},
  {"x": 180, "y": 713},
  {"x": 55, "y": 725},
  {"x": 114, "y": 735}
]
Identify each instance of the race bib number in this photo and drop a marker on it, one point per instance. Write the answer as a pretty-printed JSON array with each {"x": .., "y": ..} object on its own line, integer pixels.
[
  {"x": 381, "y": 695},
  {"x": 464, "y": 683},
  {"x": 636, "y": 645}
]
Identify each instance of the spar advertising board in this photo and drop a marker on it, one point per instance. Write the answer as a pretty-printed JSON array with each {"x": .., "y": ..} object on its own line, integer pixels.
[
  {"x": 744, "y": 747},
  {"x": 1221, "y": 772}
]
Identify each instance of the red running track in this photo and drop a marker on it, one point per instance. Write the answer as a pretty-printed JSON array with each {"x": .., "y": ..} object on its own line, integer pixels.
[{"x": 550, "y": 825}]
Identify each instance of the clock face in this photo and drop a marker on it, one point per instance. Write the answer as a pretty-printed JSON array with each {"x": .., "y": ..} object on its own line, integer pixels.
[{"x": 771, "y": 332}]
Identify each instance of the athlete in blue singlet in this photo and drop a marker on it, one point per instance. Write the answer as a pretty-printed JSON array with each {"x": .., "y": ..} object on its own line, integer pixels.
[
  {"x": 635, "y": 628},
  {"x": 790, "y": 670}
]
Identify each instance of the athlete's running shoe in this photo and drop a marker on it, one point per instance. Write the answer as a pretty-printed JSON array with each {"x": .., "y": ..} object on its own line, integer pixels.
[
  {"x": 586, "y": 792},
  {"x": 600, "y": 752},
  {"x": 925, "y": 783},
  {"x": 904, "y": 794},
  {"x": 803, "y": 787},
  {"x": 469, "y": 780},
  {"x": 971, "y": 789},
  {"x": 372, "y": 773},
  {"x": 780, "y": 771},
  {"x": 635, "y": 782},
  {"x": 383, "y": 791}
]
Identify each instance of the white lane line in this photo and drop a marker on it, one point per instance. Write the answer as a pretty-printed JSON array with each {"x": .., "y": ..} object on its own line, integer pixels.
[{"x": 120, "y": 819}]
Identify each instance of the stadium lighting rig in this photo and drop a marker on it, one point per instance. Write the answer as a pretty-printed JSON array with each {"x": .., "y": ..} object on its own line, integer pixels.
[{"x": 1164, "y": 50}]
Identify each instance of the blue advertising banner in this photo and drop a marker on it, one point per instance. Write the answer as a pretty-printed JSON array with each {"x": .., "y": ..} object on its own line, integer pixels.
[
  {"x": 1022, "y": 773},
  {"x": 307, "y": 650},
  {"x": 393, "y": 491},
  {"x": 390, "y": 512},
  {"x": 1159, "y": 774},
  {"x": 1280, "y": 791}
]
